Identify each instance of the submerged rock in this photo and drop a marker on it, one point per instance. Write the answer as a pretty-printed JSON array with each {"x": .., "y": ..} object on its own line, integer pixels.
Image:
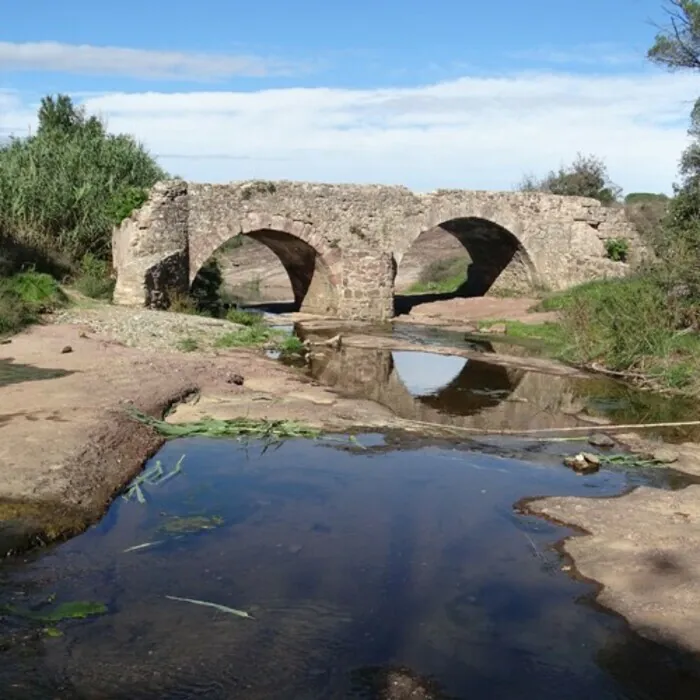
[
  {"x": 583, "y": 463},
  {"x": 396, "y": 683}
]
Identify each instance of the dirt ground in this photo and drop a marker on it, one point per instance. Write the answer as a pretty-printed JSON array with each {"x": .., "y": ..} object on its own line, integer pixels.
[
  {"x": 67, "y": 442},
  {"x": 66, "y": 439},
  {"x": 471, "y": 311}
]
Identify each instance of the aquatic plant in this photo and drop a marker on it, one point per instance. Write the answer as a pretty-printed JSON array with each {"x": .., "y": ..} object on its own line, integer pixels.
[
  {"x": 74, "y": 610},
  {"x": 153, "y": 476},
  {"x": 190, "y": 524},
  {"x": 216, "y": 606},
  {"x": 241, "y": 428}
]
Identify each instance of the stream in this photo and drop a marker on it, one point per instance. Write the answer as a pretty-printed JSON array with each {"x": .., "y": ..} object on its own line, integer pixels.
[{"x": 376, "y": 567}]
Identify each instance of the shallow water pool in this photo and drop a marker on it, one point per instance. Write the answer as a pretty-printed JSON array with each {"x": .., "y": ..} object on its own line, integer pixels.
[{"x": 349, "y": 560}]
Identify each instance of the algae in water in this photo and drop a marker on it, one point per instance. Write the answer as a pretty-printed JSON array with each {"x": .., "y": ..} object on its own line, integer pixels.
[{"x": 74, "y": 610}]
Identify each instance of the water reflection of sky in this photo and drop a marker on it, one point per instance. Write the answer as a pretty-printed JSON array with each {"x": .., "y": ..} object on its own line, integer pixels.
[{"x": 424, "y": 373}]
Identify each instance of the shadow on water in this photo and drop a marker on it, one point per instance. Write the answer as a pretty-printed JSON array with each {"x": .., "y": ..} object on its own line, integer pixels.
[
  {"x": 14, "y": 373},
  {"x": 475, "y": 394},
  {"x": 366, "y": 572}
]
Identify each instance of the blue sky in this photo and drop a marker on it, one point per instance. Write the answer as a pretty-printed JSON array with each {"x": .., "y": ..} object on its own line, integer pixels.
[{"x": 441, "y": 94}]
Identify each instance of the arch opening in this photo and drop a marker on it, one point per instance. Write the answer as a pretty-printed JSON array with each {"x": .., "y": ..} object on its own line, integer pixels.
[
  {"x": 462, "y": 257},
  {"x": 274, "y": 270}
]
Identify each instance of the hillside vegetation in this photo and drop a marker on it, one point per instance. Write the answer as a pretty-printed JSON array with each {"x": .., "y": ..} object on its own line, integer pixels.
[
  {"x": 645, "y": 325},
  {"x": 62, "y": 190}
]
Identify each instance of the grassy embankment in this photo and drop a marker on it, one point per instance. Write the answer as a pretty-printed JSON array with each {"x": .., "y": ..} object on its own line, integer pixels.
[
  {"x": 628, "y": 326},
  {"x": 62, "y": 190}
]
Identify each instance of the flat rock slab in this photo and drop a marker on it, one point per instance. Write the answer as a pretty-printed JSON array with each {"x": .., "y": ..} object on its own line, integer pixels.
[
  {"x": 65, "y": 432},
  {"x": 644, "y": 548},
  {"x": 480, "y": 309}
]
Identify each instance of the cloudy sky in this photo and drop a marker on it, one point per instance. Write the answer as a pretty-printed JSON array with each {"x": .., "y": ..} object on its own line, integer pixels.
[{"x": 442, "y": 94}]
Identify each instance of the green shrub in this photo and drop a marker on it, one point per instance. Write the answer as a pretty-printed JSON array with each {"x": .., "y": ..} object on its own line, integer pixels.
[
  {"x": 617, "y": 249},
  {"x": 64, "y": 188},
  {"x": 291, "y": 345},
  {"x": 94, "y": 279},
  {"x": 250, "y": 336},
  {"x": 587, "y": 176},
  {"x": 242, "y": 317},
  {"x": 188, "y": 344},
  {"x": 26, "y": 295}
]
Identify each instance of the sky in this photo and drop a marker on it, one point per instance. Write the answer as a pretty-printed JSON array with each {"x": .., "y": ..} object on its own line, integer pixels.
[{"x": 441, "y": 94}]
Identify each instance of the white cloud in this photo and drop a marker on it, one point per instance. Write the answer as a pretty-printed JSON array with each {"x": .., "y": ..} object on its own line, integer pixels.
[
  {"x": 475, "y": 132},
  {"x": 135, "y": 63}
]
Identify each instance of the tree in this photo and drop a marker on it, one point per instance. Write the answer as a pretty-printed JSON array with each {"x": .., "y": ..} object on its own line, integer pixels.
[
  {"x": 677, "y": 45},
  {"x": 587, "y": 176},
  {"x": 63, "y": 189}
]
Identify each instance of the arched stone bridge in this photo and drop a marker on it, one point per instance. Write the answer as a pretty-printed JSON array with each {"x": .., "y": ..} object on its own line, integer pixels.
[{"x": 342, "y": 244}]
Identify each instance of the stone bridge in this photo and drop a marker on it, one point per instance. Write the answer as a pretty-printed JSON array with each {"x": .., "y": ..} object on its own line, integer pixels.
[{"x": 342, "y": 244}]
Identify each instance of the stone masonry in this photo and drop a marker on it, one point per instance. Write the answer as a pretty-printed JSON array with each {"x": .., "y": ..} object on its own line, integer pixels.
[{"x": 342, "y": 244}]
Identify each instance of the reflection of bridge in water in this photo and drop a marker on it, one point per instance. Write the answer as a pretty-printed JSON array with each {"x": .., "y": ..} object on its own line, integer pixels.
[{"x": 449, "y": 389}]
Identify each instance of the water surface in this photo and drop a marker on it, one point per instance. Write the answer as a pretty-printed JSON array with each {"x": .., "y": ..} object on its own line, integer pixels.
[
  {"x": 349, "y": 561},
  {"x": 477, "y": 394}
]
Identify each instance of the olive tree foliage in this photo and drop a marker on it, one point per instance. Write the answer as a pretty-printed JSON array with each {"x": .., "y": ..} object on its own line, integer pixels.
[
  {"x": 677, "y": 47},
  {"x": 64, "y": 188},
  {"x": 587, "y": 176}
]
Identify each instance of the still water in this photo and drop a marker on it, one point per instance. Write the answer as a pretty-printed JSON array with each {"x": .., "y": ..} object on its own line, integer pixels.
[
  {"x": 351, "y": 562},
  {"x": 476, "y": 394}
]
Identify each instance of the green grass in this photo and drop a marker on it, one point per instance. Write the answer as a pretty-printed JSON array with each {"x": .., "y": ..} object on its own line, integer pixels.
[
  {"x": 26, "y": 295},
  {"x": 550, "y": 334},
  {"x": 626, "y": 325},
  {"x": 188, "y": 344},
  {"x": 291, "y": 345},
  {"x": 441, "y": 276},
  {"x": 250, "y": 336},
  {"x": 243, "y": 318}
]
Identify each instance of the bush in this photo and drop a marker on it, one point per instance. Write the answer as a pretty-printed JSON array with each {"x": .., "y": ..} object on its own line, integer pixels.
[
  {"x": 26, "y": 295},
  {"x": 617, "y": 249},
  {"x": 94, "y": 280},
  {"x": 587, "y": 176},
  {"x": 63, "y": 189}
]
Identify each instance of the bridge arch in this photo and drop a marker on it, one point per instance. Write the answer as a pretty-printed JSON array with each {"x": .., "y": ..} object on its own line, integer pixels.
[
  {"x": 490, "y": 247},
  {"x": 311, "y": 265}
]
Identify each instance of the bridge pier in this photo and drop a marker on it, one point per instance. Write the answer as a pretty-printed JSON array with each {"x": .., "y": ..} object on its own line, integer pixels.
[{"x": 366, "y": 290}]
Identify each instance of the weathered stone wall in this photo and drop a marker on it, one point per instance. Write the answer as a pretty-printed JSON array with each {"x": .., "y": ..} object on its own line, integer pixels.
[
  {"x": 342, "y": 244},
  {"x": 150, "y": 250}
]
